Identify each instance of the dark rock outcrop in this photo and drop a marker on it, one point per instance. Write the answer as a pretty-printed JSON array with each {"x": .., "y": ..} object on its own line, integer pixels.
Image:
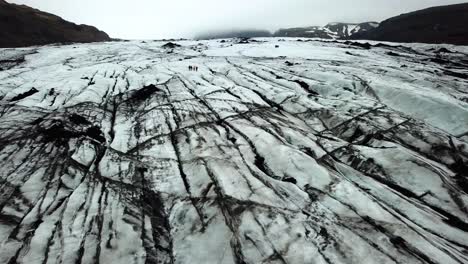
[
  {"x": 25, "y": 26},
  {"x": 170, "y": 45},
  {"x": 442, "y": 24}
]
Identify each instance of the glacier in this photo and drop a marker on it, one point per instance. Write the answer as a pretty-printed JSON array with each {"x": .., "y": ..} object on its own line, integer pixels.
[{"x": 276, "y": 151}]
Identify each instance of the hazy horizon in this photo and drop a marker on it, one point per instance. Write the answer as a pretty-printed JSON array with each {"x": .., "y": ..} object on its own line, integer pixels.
[{"x": 153, "y": 19}]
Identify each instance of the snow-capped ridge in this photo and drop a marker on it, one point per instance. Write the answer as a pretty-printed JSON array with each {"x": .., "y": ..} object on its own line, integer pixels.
[{"x": 334, "y": 30}]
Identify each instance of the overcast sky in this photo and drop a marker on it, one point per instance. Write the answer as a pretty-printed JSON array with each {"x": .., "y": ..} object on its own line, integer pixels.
[{"x": 150, "y": 19}]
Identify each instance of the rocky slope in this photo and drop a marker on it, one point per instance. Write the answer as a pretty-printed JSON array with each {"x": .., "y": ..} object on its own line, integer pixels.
[
  {"x": 443, "y": 24},
  {"x": 24, "y": 26},
  {"x": 346, "y": 30},
  {"x": 308, "y": 152},
  {"x": 330, "y": 31}
]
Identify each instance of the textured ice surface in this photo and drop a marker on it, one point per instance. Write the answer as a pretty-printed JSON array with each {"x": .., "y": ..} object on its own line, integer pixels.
[{"x": 311, "y": 152}]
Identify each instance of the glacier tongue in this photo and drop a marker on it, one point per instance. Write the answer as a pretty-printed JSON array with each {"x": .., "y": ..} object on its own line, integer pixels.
[{"x": 308, "y": 152}]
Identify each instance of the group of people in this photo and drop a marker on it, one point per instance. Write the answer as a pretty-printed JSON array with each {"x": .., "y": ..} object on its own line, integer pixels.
[{"x": 193, "y": 68}]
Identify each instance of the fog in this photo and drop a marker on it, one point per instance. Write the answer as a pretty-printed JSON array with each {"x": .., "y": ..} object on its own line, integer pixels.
[{"x": 151, "y": 19}]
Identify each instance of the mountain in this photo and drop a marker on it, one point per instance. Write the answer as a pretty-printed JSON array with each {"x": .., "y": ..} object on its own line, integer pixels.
[
  {"x": 249, "y": 33},
  {"x": 330, "y": 31},
  {"x": 305, "y": 32},
  {"x": 346, "y": 30},
  {"x": 25, "y": 26},
  {"x": 442, "y": 24}
]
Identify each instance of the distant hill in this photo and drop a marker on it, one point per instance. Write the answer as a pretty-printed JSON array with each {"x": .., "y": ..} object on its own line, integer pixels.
[
  {"x": 346, "y": 30},
  {"x": 21, "y": 26},
  {"x": 305, "y": 32},
  {"x": 442, "y": 24},
  {"x": 249, "y": 33},
  {"x": 330, "y": 31}
]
